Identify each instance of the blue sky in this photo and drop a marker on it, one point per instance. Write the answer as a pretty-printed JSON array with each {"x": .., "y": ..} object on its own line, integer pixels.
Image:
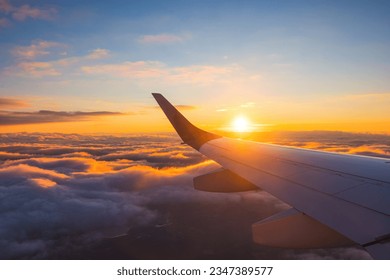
[{"x": 221, "y": 52}]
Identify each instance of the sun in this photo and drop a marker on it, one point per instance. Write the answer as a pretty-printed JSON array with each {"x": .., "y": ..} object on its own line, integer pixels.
[{"x": 241, "y": 124}]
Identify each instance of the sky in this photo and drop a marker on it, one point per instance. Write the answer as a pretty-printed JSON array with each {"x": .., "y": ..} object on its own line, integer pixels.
[{"x": 90, "y": 66}]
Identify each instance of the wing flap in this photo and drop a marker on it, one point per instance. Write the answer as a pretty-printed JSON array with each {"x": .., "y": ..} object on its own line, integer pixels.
[
  {"x": 223, "y": 181},
  {"x": 293, "y": 229}
]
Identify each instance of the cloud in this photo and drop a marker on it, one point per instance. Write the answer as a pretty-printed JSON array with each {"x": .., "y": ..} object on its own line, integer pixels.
[
  {"x": 63, "y": 165},
  {"x": 45, "y": 214},
  {"x": 98, "y": 54},
  {"x": 5, "y": 6},
  {"x": 24, "y": 12},
  {"x": 138, "y": 69},
  {"x": 248, "y": 105},
  {"x": 21, "y": 13},
  {"x": 199, "y": 74},
  {"x": 57, "y": 199},
  {"x": 185, "y": 107},
  {"x": 204, "y": 74},
  {"x": 37, "y": 69},
  {"x": 7, "y": 156},
  {"x": 27, "y": 65},
  {"x": 140, "y": 72},
  {"x": 37, "y": 48},
  {"x": 19, "y": 173},
  {"x": 66, "y": 193},
  {"x": 157, "y": 157},
  {"x": 236, "y": 108},
  {"x": 333, "y": 141},
  {"x": 365, "y": 150},
  {"x": 6, "y": 102},
  {"x": 161, "y": 39},
  {"x": 46, "y": 116}
]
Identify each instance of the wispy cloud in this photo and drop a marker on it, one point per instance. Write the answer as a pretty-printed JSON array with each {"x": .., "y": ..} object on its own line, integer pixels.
[
  {"x": 35, "y": 69},
  {"x": 30, "y": 62},
  {"x": 246, "y": 105},
  {"x": 98, "y": 54},
  {"x": 28, "y": 65},
  {"x": 156, "y": 69},
  {"x": 5, "y": 6},
  {"x": 203, "y": 74},
  {"x": 161, "y": 39},
  {"x": 46, "y": 116},
  {"x": 26, "y": 11},
  {"x": 37, "y": 48},
  {"x": 185, "y": 107},
  {"x": 6, "y": 102},
  {"x": 137, "y": 69}
]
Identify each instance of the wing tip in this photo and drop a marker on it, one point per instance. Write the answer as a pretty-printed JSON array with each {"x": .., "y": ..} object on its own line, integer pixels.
[{"x": 189, "y": 133}]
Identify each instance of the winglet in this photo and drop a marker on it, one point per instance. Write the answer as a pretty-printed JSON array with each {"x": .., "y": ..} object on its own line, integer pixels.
[{"x": 189, "y": 133}]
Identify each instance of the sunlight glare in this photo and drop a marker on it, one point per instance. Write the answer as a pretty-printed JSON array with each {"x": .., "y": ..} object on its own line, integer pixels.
[{"x": 241, "y": 124}]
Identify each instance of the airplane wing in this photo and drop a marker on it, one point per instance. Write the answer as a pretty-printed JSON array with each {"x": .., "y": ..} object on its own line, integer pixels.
[{"x": 336, "y": 199}]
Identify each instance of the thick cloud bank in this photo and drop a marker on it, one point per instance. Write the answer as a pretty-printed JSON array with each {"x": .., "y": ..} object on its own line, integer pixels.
[{"x": 66, "y": 196}]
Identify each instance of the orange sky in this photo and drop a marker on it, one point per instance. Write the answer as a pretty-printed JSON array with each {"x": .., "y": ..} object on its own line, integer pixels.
[{"x": 155, "y": 121}]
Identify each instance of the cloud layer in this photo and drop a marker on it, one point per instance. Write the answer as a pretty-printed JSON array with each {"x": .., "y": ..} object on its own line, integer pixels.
[
  {"x": 64, "y": 194},
  {"x": 47, "y": 116},
  {"x": 56, "y": 190}
]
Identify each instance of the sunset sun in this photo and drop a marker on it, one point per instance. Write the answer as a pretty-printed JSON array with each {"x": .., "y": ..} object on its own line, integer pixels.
[{"x": 241, "y": 124}]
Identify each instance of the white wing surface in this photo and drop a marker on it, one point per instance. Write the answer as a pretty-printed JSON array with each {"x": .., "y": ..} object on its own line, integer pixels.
[{"x": 336, "y": 199}]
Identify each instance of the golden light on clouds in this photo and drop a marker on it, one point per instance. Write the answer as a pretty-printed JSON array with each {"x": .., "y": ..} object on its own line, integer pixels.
[{"x": 43, "y": 182}]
